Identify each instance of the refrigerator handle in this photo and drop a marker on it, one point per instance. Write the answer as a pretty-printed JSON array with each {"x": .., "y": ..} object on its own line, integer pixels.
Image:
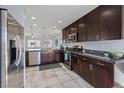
[{"x": 20, "y": 50}]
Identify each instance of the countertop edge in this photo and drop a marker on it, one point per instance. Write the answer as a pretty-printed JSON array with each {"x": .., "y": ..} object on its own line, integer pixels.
[{"x": 98, "y": 58}]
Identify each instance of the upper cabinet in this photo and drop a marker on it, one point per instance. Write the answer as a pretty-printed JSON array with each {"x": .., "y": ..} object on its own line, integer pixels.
[
  {"x": 110, "y": 22},
  {"x": 82, "y": 29},
  {"x": 102, "y": 23},
  {"x": 92, "y": 26}
]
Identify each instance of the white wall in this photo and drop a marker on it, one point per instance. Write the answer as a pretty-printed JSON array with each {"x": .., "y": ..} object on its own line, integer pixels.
[
  {"x": 119, "y": 73},
  {"x": 49, "y": 37},
  {"x": 56, "y": 36},
  {"x": 108, "y": 45},
  {"x": 17, "y": 11}
]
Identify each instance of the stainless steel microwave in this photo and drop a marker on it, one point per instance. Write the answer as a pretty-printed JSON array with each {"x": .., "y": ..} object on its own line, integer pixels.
[{"x": 72, "y": 37}]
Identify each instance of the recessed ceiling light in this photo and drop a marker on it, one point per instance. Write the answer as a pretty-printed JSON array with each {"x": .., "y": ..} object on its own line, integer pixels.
[
  {"x": 43, "y": 28},
  {"x": 32, "y": 35},
  {"x": 33, "y": 18},
  {"x": 60, "y": 21},
  {"x": 54, "y": 27},
  {"x": 34, "y": 24}
]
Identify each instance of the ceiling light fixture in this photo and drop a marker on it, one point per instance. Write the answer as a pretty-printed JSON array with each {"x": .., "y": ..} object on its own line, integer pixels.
[
  {"x": 59, "y": 21},
  {"x": 32, "y": 35},
  {"x": 43, "y": 28},
  {"x": 33, "y": 18},
  {"x": 54, "y": 27},
  {"x": 34, "y": 24}
]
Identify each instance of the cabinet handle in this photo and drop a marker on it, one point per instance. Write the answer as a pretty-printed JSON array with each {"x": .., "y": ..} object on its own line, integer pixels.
[
  {"x": 78, "y": 62},
  {"x": 91, "y": 67},
  {"x": 100, "y": 64},
  {"x": 74, "y": 55}
]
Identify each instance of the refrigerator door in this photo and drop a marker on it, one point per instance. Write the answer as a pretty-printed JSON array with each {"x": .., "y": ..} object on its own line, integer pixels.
[
  {"x": 12, "y": 79},
  {"x": 16, "y": 32},
  {"x": 20, "y": 60},
  {"x": 3, "y": 48},
  {"x": 11, "y": 59}
]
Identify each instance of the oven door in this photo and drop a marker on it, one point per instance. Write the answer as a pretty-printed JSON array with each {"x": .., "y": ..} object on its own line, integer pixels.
[{"x": 67, "y": 58}]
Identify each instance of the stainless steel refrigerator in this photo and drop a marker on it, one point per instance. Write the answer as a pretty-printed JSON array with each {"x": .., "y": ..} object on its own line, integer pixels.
[{"x": 11, "y": 51}]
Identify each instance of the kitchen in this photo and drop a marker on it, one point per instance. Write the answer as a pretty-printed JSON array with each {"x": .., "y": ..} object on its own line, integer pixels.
[
  {"x": 87, "y": 34},
  {"x": 77, "y": 46}
]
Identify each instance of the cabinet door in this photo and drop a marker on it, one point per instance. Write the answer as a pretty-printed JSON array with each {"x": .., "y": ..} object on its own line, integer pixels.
[
  {"x": 103, "y": 76},
  {"x": 100, "y": 77},
  {"x": 52, "y": 57},
  {"x": 67, "y": 34},
  {"x": 81, "y": 29},
  {"x": 75, "y": 26},
  {"x": 57, "y": 56},
  {"x": 87, "y": 70},
  {"x": 92, "y": 25},
  {"x": 44, "y": 58},
  {"x": 76, "y": 64},
  {"x": 110, "y": 22},
  {"x": 84, "y": 68},
  {"x": 63, "y": 36},
  {"x": 61, "y": 56}
]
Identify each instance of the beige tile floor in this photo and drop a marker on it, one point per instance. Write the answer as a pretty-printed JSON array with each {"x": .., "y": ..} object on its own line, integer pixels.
[{"x": 59, "y": 77}]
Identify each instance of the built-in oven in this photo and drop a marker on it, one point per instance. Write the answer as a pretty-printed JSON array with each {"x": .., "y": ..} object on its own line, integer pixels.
[{"x": 67, "y": 59}]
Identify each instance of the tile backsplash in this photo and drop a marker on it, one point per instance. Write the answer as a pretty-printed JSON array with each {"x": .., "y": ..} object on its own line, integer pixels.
[{"x": 107, "y": 45}]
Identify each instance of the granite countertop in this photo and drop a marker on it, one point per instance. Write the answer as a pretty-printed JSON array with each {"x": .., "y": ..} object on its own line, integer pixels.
[
  {"x": 45, "y": 50},
  {"x": 102, "y": 58}
]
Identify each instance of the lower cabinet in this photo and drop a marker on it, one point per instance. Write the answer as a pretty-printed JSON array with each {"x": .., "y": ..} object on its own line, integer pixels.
[
  {"x": 103, "y": 75},
  {"x": 87, "y": 70},
  {"x": 98, "y": 73},
  {"x": 76, "y": 64},
  {"x": 46, "y": 57},
  {"x": 52, "y": 56}
]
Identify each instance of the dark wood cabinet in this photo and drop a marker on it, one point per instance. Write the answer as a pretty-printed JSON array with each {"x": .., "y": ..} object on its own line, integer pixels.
[
  {"x": 86, "y": 70},
  {"x": 82, "y": 29},
  {"x": 92, "y": 26},
  {"x": 63, "y": 35},
  {"x": 48, "y": 57},
  {"x": 110, "y": 21},
  {"x": 76, "y": 64},
  {"x": 102, "y": 23},
  {"x": 59, "y": 56},
  {"x": 98, "y": 73},
  {"x": 52, "y": 56},
  {"x": 103, "y": 74}
]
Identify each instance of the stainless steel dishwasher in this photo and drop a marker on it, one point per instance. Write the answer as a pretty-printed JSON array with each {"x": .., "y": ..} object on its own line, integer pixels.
[{"x": 34, "y": 58}]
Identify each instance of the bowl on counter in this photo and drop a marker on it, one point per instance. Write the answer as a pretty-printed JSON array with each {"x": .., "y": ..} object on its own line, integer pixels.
[{"x": 116, "y": 54}]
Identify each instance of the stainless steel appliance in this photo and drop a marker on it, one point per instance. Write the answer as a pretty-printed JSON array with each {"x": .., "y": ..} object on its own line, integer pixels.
[
  {"x": 11, "y": 51},
  {"x": 34, "y": 58},
  {"x": 73, "y": 37},
  {"x": 67, "y": 59}
]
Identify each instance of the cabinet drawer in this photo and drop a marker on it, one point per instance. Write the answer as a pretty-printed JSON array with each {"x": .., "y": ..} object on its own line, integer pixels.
[{"x": 102, "y": 63}]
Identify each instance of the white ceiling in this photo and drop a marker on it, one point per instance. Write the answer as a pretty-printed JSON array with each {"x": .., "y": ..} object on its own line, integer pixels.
[{"x": 48, "y": 16}]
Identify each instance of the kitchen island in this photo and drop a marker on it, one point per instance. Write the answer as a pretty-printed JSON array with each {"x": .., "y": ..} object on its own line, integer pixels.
[{"x": 46, "y": 57}]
